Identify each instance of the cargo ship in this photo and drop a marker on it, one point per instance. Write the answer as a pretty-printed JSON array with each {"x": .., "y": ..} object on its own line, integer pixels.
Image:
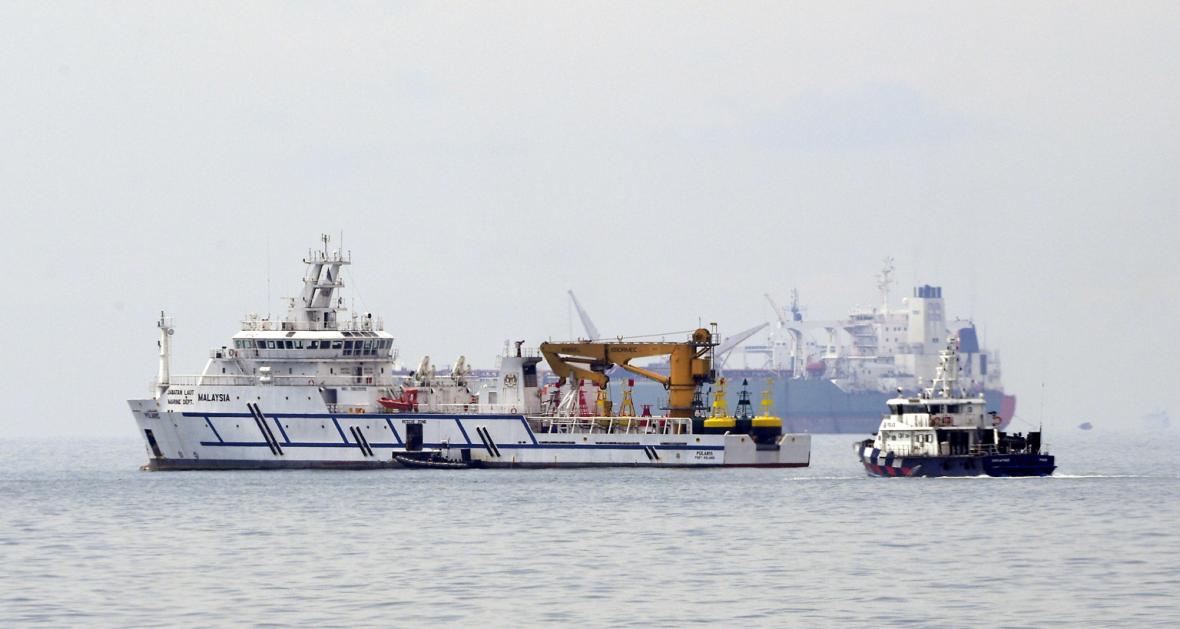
[
  {"x": 835, "y": 376},
  {"x": 322, "y": 388}
]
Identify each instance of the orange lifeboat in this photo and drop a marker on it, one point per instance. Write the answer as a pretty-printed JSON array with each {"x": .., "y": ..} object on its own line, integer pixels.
[{"x": 407, "y": 402}]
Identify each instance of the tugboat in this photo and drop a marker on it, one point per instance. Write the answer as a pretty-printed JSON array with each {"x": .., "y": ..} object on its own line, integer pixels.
[{"x": 942, "y": 432}]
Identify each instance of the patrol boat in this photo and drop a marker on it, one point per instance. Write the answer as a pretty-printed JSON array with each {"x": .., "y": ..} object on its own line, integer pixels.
[
  {"x": 321, "y": 389},
  {"x": 943, "y": 432}
]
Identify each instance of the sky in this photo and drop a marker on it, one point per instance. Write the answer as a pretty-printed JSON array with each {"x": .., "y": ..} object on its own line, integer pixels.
[{"x": 669, "y": 162}]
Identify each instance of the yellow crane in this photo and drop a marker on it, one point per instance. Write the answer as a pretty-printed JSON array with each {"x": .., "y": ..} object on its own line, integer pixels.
[{"x": 691, "y": 363}]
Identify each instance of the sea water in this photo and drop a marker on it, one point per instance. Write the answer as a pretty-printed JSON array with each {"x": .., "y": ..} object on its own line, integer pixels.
[{"x": 87, "y": 539}]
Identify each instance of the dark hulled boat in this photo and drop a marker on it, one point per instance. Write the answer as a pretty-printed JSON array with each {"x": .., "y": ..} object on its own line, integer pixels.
[{"x": 944, "y": 433}]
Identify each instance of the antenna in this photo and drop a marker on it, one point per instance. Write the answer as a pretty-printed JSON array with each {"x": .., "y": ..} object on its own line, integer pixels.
[
  {"x": 1041, "y": 423},
  {"x": 268, "y": 277}
]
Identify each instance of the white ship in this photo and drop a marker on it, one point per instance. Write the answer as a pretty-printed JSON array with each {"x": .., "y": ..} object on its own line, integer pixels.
[{"x": 318, "y": 389}]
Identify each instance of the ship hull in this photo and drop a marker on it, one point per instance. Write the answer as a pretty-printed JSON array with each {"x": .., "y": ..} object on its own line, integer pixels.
[
  {"x": 886, "y": 464},
  {"x": 220, "y": 440}
]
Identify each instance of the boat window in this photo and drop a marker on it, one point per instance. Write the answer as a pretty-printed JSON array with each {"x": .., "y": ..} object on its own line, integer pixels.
[
  {"x": 270, "y": 345},
  {"x": 298, "y": 344},
  {"x": 952, "y": 408},
  {"x": 895, "y": 409},
  {"x": 290, "y": 344},
  {"x": 337, "y": 344}
]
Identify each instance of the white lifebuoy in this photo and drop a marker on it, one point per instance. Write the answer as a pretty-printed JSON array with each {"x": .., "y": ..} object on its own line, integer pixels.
[{"x": 512, "y": 410}]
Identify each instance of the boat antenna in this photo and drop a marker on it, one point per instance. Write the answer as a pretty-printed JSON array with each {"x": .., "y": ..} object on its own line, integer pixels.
[
  {"x": 1041, "y": 423},
  {"x": 268, "y": 277}
]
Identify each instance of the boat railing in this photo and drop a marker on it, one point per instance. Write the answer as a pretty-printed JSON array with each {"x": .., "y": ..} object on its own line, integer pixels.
[
  {"x": 361, "y": 324},
  {"x": 613, "y": 425},
  {"x": 244, "y": 380}
]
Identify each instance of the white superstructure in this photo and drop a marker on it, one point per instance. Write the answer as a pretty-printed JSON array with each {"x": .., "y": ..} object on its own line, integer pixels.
[
  {"x": 873, "y": 349},
  {"x": 318, "y": 389}
]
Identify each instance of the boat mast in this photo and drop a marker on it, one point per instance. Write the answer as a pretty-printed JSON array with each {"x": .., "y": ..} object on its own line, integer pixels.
[{"x": 165, "y": 372}]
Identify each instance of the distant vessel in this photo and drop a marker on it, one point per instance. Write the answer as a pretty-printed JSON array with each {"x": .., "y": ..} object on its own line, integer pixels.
[
  {"x": 318, "y": 389},
  {"x": 944, "y": 431},
  {"x": 834, "y": 376}
]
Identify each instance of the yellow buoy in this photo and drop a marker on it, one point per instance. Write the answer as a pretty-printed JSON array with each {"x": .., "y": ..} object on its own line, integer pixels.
[
  {"x": 720, "y": 423},
  {"x": 766, "y": 420}
]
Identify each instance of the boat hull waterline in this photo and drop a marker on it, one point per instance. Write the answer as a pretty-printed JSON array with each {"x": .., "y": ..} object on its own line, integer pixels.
[
  {"x": 877, "y": 463},
  {"x": 205, "y": 440}
]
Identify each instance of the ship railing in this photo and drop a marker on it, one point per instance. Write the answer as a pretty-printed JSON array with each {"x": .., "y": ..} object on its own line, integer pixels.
[
  {"x": 463, "y": 409},
  {"x": 211, "y": 380},
  {"x": 614, "y": 425},
  {"x": 374, "y": 324},
  {"x": 240, "y": 380}
]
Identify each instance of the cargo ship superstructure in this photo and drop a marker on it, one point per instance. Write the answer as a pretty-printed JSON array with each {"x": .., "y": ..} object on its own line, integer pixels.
[
  {"x": 321, "y": 388},
  {"x": 834, "y": 376}
]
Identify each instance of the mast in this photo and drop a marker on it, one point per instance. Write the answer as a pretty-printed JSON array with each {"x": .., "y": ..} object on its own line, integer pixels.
[
  {"x": 165, "y": 372},
  {"x": 947, "y": 374},
  {"x": 884, "y": 281},
  {"x": 319, "y": 302}
]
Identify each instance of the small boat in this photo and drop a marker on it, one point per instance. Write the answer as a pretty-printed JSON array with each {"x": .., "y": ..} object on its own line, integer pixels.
[
  {"x": 430, "y": 461},
  {"x": 943, "y": 432}
]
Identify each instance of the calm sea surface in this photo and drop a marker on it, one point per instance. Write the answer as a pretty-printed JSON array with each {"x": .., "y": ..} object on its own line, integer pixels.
[{"x": 87, "y": 539}]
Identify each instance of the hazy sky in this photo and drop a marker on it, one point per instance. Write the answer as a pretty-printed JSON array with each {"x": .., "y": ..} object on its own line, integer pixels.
[{"x": 670, "y": 162}]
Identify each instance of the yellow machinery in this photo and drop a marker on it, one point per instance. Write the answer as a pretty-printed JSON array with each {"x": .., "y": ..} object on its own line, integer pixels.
[
  {"x": 720, "y": 420},
  {"x": 691, "y": 363}
]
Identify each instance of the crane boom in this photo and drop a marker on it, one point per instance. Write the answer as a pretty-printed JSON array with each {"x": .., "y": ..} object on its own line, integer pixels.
[
  {"x": 778, "y": 312},
  {"x": 591, "y": 329},
  {"x": 690, "y": 364},
  {"x": 732, "y": 342}
]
